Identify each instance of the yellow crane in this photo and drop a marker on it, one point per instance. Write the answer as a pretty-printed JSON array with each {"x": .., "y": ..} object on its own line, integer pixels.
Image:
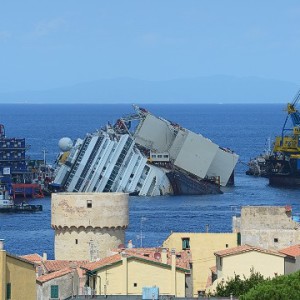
[{"x": 289, "y": 141}]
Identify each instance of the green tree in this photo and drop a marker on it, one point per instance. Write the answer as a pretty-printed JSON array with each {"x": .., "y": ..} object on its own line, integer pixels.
[
  {"x": 237, "y": 286},
  {"x": 286, "y": 287}
]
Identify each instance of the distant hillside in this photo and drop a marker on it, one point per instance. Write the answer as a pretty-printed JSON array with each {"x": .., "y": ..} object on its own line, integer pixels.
[{"x": 213, "y": 89}]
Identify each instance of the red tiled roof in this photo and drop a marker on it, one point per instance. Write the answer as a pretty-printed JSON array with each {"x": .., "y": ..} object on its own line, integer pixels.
[
  {"x": 20, "y": 258},
  {"x": 246, "y": 248},
  {"x": 50, "y": 276},
  {"x": 102, "y": 262},
  {"x": 33, "y": 257},
  {"x": 291, "y": 251},
  {"x": 213, "y": 269},
  {"x": 55, "y": 265},
  {"x": 150, "y": 254}
]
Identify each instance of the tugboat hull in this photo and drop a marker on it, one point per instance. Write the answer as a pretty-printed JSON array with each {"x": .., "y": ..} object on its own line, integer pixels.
[
  {"x": 21, "y": 208},
  {"x": 288, "y": 181}
]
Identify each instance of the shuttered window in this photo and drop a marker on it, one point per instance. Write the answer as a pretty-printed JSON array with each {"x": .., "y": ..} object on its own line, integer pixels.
[
  {"x": 54, "y": 291},
  {"x": 8, "y": 291},
  {"x": 185, "y": 243}
]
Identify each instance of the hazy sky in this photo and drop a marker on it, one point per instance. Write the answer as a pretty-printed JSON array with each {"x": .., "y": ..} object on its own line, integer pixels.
[{"x": 47, "y": 44}]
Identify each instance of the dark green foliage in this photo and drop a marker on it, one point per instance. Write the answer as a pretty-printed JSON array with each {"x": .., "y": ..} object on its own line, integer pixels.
[
  {"x": 279, "y": 288},
  {"x": 239, "y": 286}
]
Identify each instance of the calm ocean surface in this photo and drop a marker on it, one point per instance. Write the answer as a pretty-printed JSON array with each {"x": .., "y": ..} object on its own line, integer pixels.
[{"x": 242, "y": 128}]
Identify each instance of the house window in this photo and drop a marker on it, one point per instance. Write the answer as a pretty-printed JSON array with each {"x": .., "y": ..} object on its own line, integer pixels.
[
  {"x": 276, "y": 240},
  {"x": 135, "y": 284},
  {"x": 54, "y": 292},
  {"x": 76, "y": 241},
  {"x": 185, "y": 243},
  {"x": 226, "y": 245},
  {"x": 239, "y": 238},
  {"x": 8, "y": 291},
  {"x": 89, "y": 204}
]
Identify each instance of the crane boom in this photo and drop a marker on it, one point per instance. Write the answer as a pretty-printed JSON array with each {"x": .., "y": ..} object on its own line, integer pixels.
[{"x": 289, "y": 141}]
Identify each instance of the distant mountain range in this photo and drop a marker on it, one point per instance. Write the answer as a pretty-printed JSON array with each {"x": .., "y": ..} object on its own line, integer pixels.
[{"x": 213, "y": 89}]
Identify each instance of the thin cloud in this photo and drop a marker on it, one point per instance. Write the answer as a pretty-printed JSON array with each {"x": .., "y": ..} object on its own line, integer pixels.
[
  {"x": 4, "y": 35},
  {"x": 45, "y": 28},
  {"x": 153, "y": 39}
]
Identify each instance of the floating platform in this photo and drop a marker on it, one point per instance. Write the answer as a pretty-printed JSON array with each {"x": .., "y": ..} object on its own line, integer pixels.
[{"x": 26, "y": 190}]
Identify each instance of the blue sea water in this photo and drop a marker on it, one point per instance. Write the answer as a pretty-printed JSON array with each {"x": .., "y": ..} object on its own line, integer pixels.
[{"x": 242, "y": 128}]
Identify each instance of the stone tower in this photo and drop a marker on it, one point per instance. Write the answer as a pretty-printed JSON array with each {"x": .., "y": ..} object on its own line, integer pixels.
[{"x": 88, "y": 225}]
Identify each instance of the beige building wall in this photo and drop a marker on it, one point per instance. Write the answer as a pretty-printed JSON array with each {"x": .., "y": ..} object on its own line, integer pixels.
[
  {"x": 202, "y": 246},
  {"x": 2, "y": 274},
  {"x": 21, "y": 276},
  {"x": 266, "y": 264},
  {"x": 88, "y": 225},
  {"x": 131, "y": 275}
]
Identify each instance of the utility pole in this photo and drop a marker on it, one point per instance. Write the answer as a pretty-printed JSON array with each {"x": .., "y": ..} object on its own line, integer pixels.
[{"x": 44, "y": 152}]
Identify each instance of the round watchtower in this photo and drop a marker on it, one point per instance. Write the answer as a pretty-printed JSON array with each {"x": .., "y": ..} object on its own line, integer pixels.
[{"x": 88, "y": 225}]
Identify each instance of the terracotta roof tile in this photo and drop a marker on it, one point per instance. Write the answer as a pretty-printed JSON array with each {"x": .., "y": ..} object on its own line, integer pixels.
[
  {"x": 33, "y": 257},
  {"x": 20, "y": 258},
  {"x": 55, "y": 265},
  {"x": 291, "y": 251},
  {"x": 50, "y": 276},
  {"x": 150, "y": 254},
  {"x": 213, "y": 269},
  {"x": 102, "y": 262},
  {"x": 245, "y": 248}
]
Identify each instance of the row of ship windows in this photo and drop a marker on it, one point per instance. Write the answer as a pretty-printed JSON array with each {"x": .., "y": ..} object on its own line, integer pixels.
[
  {"x": 8, "y": 155},
  {"x": 159, "y": 156},
  {"x": 10, "y": 144}
]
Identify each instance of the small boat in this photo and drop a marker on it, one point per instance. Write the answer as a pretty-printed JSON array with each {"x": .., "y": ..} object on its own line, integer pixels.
[
  {"x": 259, "y": 166},
  {"x": 7, "y": 204}
]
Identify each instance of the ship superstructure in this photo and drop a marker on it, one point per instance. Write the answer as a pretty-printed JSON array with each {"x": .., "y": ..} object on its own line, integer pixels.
[
  {"x": 12, "y": 155},
  {"x": 16, "y": 173},
  {"x": 145, "y": 155}
]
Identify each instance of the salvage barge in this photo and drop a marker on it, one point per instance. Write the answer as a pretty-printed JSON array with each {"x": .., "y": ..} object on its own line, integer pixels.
[
  {"x": 282, "y": 165},
  {"x": 144, "y": 155}
]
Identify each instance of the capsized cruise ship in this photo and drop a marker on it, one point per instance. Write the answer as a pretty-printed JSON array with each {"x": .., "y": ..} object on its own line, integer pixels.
[{"x": 144, "y": 155}]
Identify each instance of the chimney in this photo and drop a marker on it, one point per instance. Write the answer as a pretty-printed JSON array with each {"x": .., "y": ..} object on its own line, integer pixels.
[
  {"x": 1, "y": 244},
  {"x": 207, "y": 228},
  {"x": 173, "y": 271},
  {"x": 44, "y": 256},
  {"x": 129, "y": 245},
  {"x": 164, "y": 257}
]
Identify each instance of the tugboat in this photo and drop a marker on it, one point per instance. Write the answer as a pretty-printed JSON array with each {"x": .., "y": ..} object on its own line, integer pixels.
[
  {"x": 7, "y": 204},
  {"x": 258, "y": 166}
]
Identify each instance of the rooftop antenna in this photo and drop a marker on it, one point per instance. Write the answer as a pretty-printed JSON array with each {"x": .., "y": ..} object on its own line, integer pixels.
[{"x": 44, "y": 153}]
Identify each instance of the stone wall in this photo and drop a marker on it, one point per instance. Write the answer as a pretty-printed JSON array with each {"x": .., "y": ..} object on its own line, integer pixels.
[{"x": 269, "y": 227}]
